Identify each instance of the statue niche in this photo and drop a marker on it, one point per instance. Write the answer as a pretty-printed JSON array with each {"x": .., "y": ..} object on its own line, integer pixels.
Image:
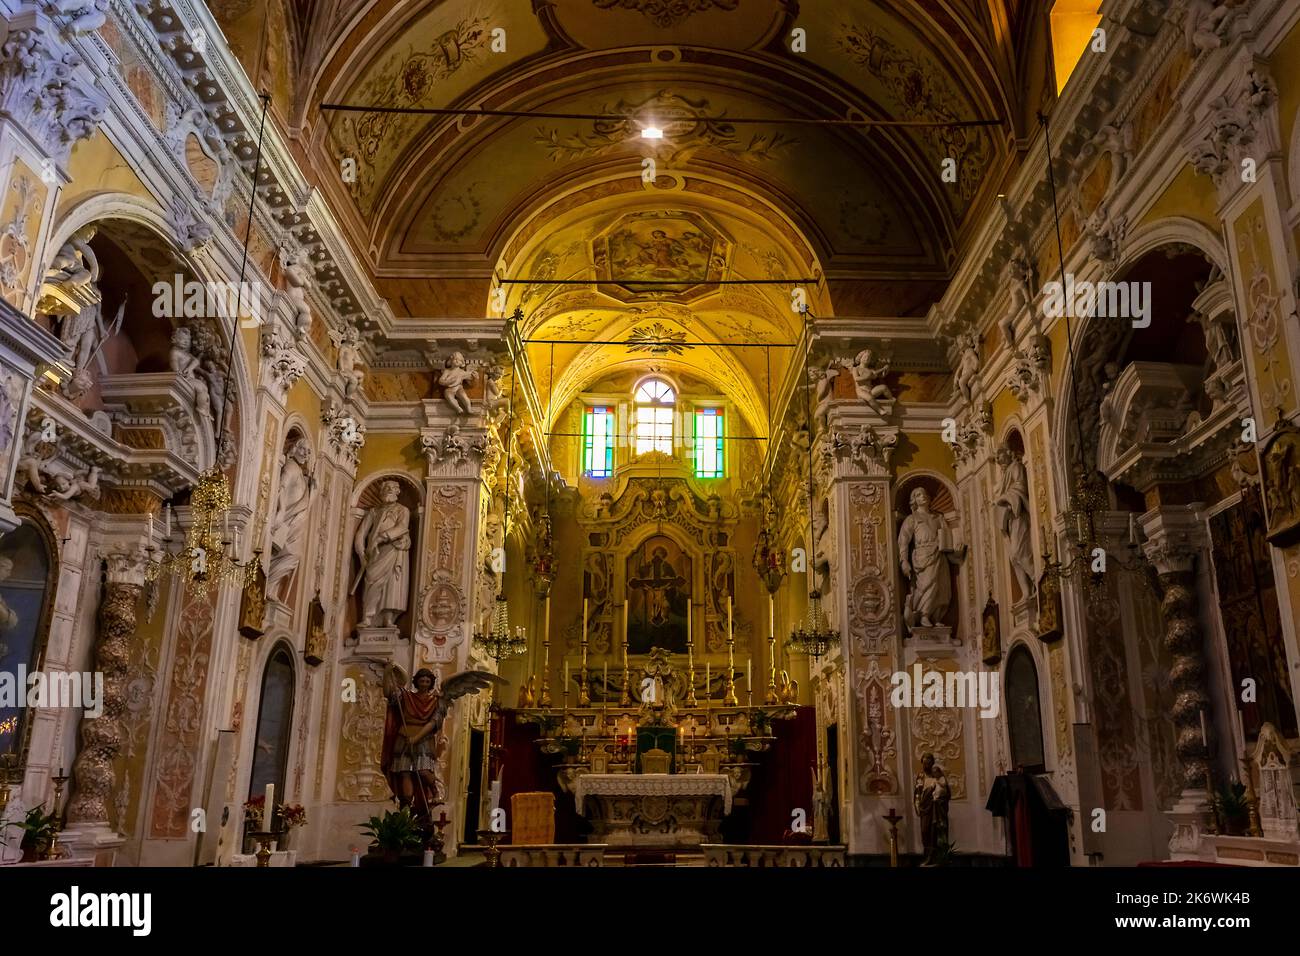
[
  {"x": 383, "y": 546},
  {"x": 658, "y": 595}
]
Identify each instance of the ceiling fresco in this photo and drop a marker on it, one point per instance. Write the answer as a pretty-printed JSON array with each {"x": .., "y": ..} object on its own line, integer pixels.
[{"x": 445, "y": 207}]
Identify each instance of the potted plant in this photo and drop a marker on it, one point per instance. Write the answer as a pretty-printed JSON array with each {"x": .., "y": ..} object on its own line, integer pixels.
[
  {"x": 38, "y": 829},
  {"x": 252, "y": 821},
  {"x": 1233, "y": 808},
  {"x": 391, "y": 836},
  {"x": 944, "y": 851}
]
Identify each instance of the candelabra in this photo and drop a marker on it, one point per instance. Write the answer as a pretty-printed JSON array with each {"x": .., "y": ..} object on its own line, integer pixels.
[
  {"x": 1090, "y": 560},
  {"x": 499, "y": 643},
  {"x": 814, "y": 636},
  {"x": 209, "y": 556}
]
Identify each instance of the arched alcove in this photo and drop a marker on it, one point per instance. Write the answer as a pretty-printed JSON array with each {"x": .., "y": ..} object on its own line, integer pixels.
[
  {"x": 271, "y": 736},
  {"x": 28, "y": 575}
]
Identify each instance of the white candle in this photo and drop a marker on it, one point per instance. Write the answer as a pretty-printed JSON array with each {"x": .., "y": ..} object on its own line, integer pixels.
[
  {"x": 356, "y": 857},
  {"x": 707, "y": 675},
  {"x": 749, "y": 674},
  {"x": 566, "y": 683},
  {"x": 268, "y": 808},
  {"x": 428, "y": 858},
  {"x": 584, "y": 620}
]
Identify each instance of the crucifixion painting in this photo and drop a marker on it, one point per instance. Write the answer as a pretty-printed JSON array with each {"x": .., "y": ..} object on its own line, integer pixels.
[{"x": 659, "y": 593}]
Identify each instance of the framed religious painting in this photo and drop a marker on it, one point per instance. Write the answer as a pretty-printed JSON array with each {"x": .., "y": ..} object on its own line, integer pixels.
[
  {"x": 1280, "y": 470},
  {"x": 990, "y": 634},
  {"x": 252, "y": 605},
  {"x": 314, "y": 648},
  {"x": 1049, "y": 628}
]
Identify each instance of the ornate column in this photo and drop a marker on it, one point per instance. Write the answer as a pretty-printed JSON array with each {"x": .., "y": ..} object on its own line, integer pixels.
[
  {"x": 101, "y": 737},
  {"x": 1175, "y": 536}
]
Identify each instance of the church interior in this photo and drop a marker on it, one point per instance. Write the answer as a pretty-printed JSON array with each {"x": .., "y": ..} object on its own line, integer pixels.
[{"x": 612, "y": 433}]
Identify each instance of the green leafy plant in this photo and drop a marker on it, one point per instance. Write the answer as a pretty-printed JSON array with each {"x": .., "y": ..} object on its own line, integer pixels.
[
  {"x": 394, "y": 832},
  {"x": 38, "y": 830},
  {"x": 944, "y": 851},
  {"x": 1233, "y": 808},
  {"x": 760, "y": 721}
]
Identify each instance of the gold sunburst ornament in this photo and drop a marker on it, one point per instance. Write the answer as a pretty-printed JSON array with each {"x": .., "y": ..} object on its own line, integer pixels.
[
  {"x": 210, "y": 556},
  {"x": 656, "y": 339}
]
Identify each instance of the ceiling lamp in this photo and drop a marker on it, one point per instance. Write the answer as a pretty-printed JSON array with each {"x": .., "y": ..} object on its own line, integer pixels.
[
  {"x": 209, "y": 556},
  {"x": 814, "y": 636},
  {"x": 652, "y": 132},
  {"x": 498, "y": 642}
]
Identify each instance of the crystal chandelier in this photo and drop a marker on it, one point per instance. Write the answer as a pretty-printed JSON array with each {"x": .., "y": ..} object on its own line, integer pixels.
[
  {"x": 209, "y": 557},
  {"x": 814, "y": 636},
  {"x": 499, "y": 643}
]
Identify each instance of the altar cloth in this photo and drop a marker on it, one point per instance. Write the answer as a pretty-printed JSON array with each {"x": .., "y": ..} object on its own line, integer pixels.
[{"x": 653, "y": 785}]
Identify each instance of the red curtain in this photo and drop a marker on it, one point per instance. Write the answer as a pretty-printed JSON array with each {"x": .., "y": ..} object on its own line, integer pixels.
[{"x": 782, "y": 782}]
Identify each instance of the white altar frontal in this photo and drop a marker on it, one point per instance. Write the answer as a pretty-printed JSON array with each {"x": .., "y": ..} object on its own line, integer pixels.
[{"x": 654, "y": 810}]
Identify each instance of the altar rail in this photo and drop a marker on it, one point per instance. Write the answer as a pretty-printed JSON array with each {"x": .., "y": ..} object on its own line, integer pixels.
[
  {"x": 718, "y": 854},
  {"x": 554, "y": 854}
]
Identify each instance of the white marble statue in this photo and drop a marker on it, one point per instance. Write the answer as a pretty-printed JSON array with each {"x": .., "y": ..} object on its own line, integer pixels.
[
  {"x": 869, "y": 382},
  {"x": 82, "y": 334},
  {"x": 824, "y": 382},
  {"x": 190, "y": 378},
  {"x": 1012, "y": 504},
  {"x": 75, "y": 264},
  {"x": 85, "y": 16},
  {"x": 348, "y": 343},
  {"x": 295, "y": 277},
  {"x": 289, "y": 525},
  {"x": 65, "y": 487},
  {"x": 925, "y": 550},
  {"x": 453, "y": 378},
  {"x": 966, "y": 377},
  {"x": 383, "y": 545}
]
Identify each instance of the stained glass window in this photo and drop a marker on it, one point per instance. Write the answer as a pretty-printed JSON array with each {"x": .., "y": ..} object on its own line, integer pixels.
[
  {"x": 598, "y": 441},
  {"x": 709, "y": 443}
]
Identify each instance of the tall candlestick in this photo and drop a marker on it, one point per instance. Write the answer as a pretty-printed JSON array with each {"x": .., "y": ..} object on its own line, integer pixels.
[
  {"x": 708, "y": 678},
  {"x": 545, "y": 699},
  {"x": 566, "y": 685},
  {"x": 690, "y": 658},
  {"x": 771, "y": 697},
  {"x": 584, "y": 695},
  {"x": 625, "y": 698},
  {"x": 604, "y": 685},
  {"x": 749, "y": 679},
  {"x": 729, "y": 697}
]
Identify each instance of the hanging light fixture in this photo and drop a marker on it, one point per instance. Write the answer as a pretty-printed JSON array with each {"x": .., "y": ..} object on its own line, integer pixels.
[
  {"x": 814, "y": 635},
  {"x": 210, "y": 556},
  {"x": 499, "y": 642}
]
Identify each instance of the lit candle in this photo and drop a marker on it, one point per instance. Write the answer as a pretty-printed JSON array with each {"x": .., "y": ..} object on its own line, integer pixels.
[{"x": 268, "y": 808}]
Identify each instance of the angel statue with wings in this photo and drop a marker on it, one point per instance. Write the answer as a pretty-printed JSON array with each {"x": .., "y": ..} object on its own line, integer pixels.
[{"x": 411, "y": 730}]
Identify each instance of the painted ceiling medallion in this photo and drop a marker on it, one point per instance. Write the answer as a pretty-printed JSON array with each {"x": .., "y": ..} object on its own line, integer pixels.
[
  {"x": 656, "y": 339},
  {"x": 667, "y": 13},
  {"x": 660, "y": 253}
]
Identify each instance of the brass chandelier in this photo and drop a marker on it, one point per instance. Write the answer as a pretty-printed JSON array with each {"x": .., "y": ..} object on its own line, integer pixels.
[
  {"x": 499, "y": 643},
  {"x": 210, "y": 556}
]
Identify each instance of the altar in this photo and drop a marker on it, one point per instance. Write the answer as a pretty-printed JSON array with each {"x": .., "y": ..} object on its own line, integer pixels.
[{"x": 660, "y": 810}]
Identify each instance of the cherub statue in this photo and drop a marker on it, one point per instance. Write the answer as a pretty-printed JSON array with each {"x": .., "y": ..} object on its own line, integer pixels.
[
  {"x": 31, "y": 463},
  {"x": 825, "y": 385},
  {"x": 295, "y": 277},
  {"x": 415, "y": 717},
  {"x": 84, "y": 334},
  {"x": 87, "y": 15},
  {"x": 453, "y": 378},
  {"x": 492, "y": 389},
  {"x": 190, "y": 377},
  {"x": 66, "y": 488},
  {"x": 348, "y": 343},
  {"x": 966, "y": 377},
  {"x": 868, "y": 382},
  {"x": 75, "y": 264}
]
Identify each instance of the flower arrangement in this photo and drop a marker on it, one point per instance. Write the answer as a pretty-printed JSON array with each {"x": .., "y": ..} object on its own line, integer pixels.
[
  {"x": 254, "y": 812},
  {"x": 293, "y": 815}
]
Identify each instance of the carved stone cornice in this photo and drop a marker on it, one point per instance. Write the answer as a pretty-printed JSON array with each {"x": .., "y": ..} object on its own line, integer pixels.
[{"x": 283, "y": 363}]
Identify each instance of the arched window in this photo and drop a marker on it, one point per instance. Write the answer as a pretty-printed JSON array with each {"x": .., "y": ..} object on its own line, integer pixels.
[
  {"x": 655, "y": 404},
  {"x": 274, "y": 721},
  {"x": 1024, "y": 714}
]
